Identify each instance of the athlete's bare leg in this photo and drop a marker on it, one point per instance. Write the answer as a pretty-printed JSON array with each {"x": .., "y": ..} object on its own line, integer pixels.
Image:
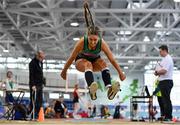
[
  {"x": 100, "y": 65},
  {"x": 84, "y": 65}
]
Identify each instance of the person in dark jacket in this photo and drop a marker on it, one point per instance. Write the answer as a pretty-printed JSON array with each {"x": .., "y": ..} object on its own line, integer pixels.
[
  {"x": 60, "y": 108},
  {"x": 36, "y": 81}
]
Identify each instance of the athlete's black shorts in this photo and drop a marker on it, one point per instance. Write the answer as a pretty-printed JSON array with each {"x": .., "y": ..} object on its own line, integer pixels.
[
  {"x": 75, "y": 100},
  {"x": 81, "y": 56}
]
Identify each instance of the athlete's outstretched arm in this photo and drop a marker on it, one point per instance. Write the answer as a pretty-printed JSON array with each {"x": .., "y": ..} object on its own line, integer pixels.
[
  {"x": 78, "y": 47},
  {"x": 107, "y": 51}
]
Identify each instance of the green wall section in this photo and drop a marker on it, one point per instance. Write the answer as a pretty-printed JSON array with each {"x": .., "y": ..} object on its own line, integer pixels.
[{"x": 133, "y": 90}]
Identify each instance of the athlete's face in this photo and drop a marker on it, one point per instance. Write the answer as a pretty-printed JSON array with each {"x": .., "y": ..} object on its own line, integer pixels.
[{"x": 92, "y": 40}]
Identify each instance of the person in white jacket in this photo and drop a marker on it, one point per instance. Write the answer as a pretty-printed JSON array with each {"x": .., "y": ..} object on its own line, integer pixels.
[
  {"x": 10, "y": 84},
  {"x": 165, "y": 73}
]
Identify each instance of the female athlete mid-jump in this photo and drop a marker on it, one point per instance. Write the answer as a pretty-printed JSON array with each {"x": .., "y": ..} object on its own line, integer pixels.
[{"x": 87, "y": 58}]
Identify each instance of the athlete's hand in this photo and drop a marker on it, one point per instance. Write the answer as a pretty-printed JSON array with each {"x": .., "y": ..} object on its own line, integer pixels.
[
  {"x": 122, "y": 77},
  {"x": 63, "y": 74}
]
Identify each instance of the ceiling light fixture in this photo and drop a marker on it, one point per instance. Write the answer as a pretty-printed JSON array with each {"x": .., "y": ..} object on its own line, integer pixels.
[
  {"x": 125, "y": 67},
  {"x": 176, "y": 0},
  {"x": 130, "y": 61},
  {"x": 74, "y": 24},
  {"x": 76, "y": 39},
  {"x": 158, "y": 24},
  {"x": 6, "y": 50},
  {"x": 124, "y": 32},
  {"x": 146, "y": 39}
]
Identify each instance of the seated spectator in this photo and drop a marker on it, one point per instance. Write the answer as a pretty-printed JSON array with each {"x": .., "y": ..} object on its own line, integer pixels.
[
  {"x": 123, "y": 113},
  {"x": 135, "y": 111},
  {"x": 102, "y": 111},
  {"x": 105, "y": 112},
  {"x": 153, "y": 112},
  {"x": 60, "y": 108},
  {"x": 117, "y": 112},
  {"x": 10, "y": 84},
  {"x": 49, "y": 112},
  {"x": 94, "y": 111}
]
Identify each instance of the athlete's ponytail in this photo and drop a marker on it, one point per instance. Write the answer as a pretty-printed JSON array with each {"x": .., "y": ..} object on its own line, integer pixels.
[{"x": 92, "y": 29}]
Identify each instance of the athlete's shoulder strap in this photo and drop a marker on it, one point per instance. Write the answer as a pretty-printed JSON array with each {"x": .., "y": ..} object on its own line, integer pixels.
[
  {"x": 100, "y": 42},
  {"x": 85, "y": 42}
]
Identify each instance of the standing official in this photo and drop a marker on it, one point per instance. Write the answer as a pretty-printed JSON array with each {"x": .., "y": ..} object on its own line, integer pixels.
[
  {"x": 165, "y": 73},
  {"x": 36, "y": 81}
]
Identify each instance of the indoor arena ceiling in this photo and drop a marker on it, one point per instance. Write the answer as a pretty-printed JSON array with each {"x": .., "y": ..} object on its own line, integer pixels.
[{"x": 134, "y": 29}]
